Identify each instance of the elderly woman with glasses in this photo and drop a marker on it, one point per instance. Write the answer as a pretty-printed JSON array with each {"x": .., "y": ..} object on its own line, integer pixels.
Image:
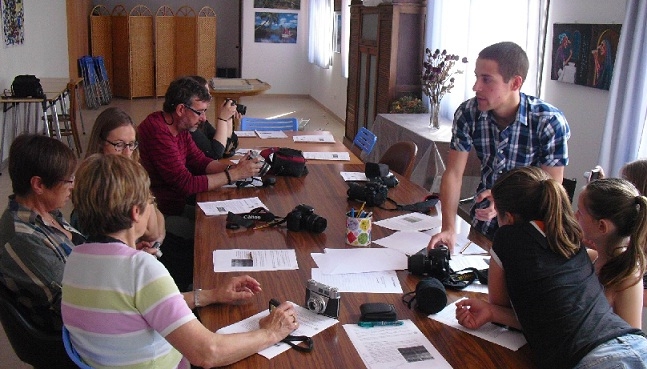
[
  {"x": 120, "y": 305},
  {"x": 35, "y": 239},
  {"x": 114, "y": 133}
]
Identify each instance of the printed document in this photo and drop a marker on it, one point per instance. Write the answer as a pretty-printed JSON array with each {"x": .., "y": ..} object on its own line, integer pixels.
[
  {"x": 369, "y": 282},
  {"x": 236, "y": 206},
  {"x": 501, "y": 336},
  {"x": 402, "y": 346},
  {"x": 245, "y": 133},
  {"x": 353, "y": 176},
  {"x": 238, "y": 260},
  {"x": 314, "y": 138},
  {"x": 326, "y": 155},
  {"x": 410, "y": 222},
  {"x": 271, "y": 134},
  {"x": 310, "y": 324}
]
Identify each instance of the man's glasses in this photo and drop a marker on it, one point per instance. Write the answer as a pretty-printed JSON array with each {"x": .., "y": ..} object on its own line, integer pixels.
[
  {"x": 120, "y": 145},
  {"x": 198, "y": 112}
]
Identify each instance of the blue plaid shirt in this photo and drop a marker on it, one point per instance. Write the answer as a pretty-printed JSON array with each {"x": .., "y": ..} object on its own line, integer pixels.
[{"x": 537, "y": 137}]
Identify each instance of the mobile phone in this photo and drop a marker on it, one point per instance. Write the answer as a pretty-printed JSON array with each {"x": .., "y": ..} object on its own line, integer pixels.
[
  {"x": 274, "y": 303},
  {"x": 594, "y": 174},
  {"x": 156, "y": 245}
]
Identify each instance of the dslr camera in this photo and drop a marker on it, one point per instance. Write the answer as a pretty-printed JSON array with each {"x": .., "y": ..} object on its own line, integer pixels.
[
  {"x": 373, "y": 193},
  {"x": 264, "y": 168},
  {"x": 322, "y": 299},
  {"x": 304, "y": 217},
  {"x": 240, "y": 108},
  {"x": 434, "y": 264}
]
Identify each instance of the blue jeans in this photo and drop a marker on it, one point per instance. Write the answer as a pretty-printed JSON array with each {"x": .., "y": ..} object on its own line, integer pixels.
[{"x": 628, "y": 351}]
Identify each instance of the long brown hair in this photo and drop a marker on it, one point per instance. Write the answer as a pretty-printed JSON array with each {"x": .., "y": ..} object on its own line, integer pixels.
[
  {"x": 109, "y": 119},
  {"x": 529, "y": 193},
  {"x": 636, "y": 173},
  {"x": 618, "y": 201}
]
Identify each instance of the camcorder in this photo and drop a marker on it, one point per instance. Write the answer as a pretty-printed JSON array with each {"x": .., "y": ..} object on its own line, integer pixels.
[
  {"x": 372, "y": 193},
  {"x": 303, "y": 217},
  {"x": 240, "y": 108},
  {"x": 435, "y": 263},
  {"x": 322, "y": 299}
]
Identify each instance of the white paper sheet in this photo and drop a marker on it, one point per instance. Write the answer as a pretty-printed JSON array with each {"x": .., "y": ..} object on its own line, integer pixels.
[
  {"x": 407, "y": 242},
  {"x": 390, "y": 347},
  {"x": 236, "y": 206},
  {"x": 353, "y": 176},
  {"x": 239, "y": 260},
  {"x": 314, "y": 138},
  {"x": 271, "y": 134},
  {"x": 489, "y": 332},
  {"x": 310, "y": 324},
  {"x": 327, "y": 155},
  {"x": 369, "y": 282},
  {"x": 245, "y": 133},
  {"x": 344, "y": 261},
  {"x": 411, "y": 222}
]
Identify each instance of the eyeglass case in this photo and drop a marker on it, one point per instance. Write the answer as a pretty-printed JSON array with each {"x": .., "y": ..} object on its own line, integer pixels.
[{"x": 377, "y": 311}]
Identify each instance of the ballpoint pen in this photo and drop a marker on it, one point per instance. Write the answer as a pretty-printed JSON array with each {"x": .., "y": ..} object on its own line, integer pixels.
[
  {"x": 465, "y": 247},
  {"x": 361, "y": 209},
  {"x": 380, "y": 323}
]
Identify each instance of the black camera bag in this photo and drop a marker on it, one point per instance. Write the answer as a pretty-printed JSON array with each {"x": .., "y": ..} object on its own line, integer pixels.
[
  {"x": 27, "y": 85},
  {"x": 285, "y": 161}
]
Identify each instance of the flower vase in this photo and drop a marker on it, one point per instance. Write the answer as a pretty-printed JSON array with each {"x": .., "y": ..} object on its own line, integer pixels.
[{"x": 434, "y": 109}]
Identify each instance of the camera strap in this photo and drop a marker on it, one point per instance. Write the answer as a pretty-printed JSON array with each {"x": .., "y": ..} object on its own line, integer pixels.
[
  {"x": 420, "y": 207},
  {"x": 300, "y": 340}
]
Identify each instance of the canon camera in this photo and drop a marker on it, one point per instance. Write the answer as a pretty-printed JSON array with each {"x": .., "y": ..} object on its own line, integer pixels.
[
  {"x": 303, "y": 217},
  {"x": 435, "y": 263}
]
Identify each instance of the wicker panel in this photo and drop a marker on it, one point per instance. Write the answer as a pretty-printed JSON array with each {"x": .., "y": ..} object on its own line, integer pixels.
[
  {"x": 101, "y": 36},
  {"x": 164, "y": 53},
  {"x": 142, "y": 61},
  {"x": 120, "y": 57},
  {"x": 185, "y": 42},
  {"x": 206, "y": 44}
]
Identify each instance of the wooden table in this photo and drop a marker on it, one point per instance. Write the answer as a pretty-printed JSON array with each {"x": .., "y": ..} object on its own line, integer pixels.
[
  {"x": 324, "y": 189},
  {"x": 259, "y": 144},
  {"x": 234, "y": 88}
]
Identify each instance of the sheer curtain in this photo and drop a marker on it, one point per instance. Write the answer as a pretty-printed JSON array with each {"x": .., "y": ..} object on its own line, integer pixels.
[
  {"x": 476, "y": 24},
  {"x": 320, "y": 33},
  {"x": 345, "y": 36},
  {"x": 624, "y": 131}
]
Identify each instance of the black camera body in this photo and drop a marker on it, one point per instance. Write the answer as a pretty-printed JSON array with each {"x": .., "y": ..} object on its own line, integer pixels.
[
  {"x": 265, "y": 168},
  {"x": 372, "y": 193},
  {"x": 434, "y": 264},
  {"x": 240, "y": 108},
  {"x": 303, "y": 217},
  {"x": 322, "y": 299}
]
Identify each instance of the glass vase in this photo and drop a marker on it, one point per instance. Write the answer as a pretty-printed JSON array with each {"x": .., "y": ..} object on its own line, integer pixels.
[{"x": 434, "y": 110}]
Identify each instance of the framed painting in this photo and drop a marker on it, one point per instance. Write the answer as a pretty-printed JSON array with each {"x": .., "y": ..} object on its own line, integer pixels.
[
  {"x": 276, "y": 28},
  {"x": 13, "y": 22},
  {"x": 278, "y": 4},
  {"x": 584, "y": 54}
]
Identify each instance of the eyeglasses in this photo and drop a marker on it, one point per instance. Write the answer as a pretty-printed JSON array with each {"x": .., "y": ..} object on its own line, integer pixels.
[
  {"x": 198, "y": 112},
  {"x": 68, "y": 181},
  {"x": 152, "y": 200},
  {"x": 120, "y": 145}
]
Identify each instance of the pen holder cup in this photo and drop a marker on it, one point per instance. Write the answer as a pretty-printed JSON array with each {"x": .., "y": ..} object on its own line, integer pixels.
[{"x": 358, "y": 230}]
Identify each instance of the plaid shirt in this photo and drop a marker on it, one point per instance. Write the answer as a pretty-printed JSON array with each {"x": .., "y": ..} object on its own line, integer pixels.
[
  {"x": 537, "y": 137},
  {"x": 32, "y": 258}
]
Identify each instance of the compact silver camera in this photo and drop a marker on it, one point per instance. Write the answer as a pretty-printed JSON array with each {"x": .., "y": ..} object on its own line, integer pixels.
[{"x": 322, "y": 299}]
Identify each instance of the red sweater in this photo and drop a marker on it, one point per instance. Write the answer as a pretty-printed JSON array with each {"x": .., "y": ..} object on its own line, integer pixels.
[{"x": 174, "y": 163}]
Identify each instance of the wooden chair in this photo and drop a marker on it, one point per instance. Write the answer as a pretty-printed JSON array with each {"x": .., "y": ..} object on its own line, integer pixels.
[
  {"x": 67, "y": 125},
  {"x": 400, "y": 157}
]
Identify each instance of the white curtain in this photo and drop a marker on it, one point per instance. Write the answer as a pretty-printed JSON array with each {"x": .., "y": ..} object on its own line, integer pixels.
[
  {"x": 345, "y": 36},
  {"x": 465, "y": 27},
  {"x": 320, "y": 34},
  {"x": 624, "y": 130}
]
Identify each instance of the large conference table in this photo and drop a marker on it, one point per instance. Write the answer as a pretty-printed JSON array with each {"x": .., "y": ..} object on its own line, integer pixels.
[{"x": 325, "y": 190}]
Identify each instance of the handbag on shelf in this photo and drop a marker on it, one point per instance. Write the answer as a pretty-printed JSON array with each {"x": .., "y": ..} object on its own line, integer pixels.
[{"x": 27, "y": 85}]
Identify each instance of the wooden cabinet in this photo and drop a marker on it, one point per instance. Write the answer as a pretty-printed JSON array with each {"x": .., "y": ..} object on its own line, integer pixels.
[{"x": 385, "y": 58}]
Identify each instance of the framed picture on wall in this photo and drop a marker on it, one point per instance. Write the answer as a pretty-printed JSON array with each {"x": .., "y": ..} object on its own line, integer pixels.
[
  {"x": 584, "y": 54},
  {"x": 336, "y": 37},
  {"x": 278, "y": 4},
  {"x": 13, "y": 22},
  {"x": 276, "y": 28}
]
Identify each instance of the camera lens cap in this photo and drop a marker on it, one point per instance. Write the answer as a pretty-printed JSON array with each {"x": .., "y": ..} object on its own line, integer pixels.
[{"x": 430, "y": 296}]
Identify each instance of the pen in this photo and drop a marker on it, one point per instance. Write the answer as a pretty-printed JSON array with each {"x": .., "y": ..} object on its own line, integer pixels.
[
  {"x": 465, "y": 247},
  {"x": 361, "y": 208},
  {"x": 381, "y": 323},
  {"x": 352, "y": 213}
]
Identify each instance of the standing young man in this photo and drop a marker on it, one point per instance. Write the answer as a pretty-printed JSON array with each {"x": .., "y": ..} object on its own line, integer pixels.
[{"x": 507, "y": 128}]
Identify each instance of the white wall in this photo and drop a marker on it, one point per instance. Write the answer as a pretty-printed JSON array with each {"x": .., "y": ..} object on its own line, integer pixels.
[
  {"x": 585, "y": 107},
  {"x": 44, "y": 51}
]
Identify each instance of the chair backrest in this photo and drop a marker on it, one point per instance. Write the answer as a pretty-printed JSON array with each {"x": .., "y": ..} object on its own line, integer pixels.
[
  {"x": 400, "y": 157},
  {"x": 41, "y": 349},
  {"x": 365, "y": 140},
  {"x": 260, "y": 124},
  {"x": 71, "y": 352}
]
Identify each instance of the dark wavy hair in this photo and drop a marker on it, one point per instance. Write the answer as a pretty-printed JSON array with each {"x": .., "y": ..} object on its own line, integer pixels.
[{"x": 182, "y": 91}]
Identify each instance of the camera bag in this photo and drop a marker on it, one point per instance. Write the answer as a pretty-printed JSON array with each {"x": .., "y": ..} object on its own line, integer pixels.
[
  {"x": 27, "y": 85},
  {"x": 285, "y": 161}
]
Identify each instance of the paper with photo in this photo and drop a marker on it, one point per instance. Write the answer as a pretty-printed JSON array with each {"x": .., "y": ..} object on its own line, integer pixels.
[
  {"x": 489, "y": 332},
  {"x": 327, "y": 155},
  {"x": 403, "y": 346},
  {"x": 238, "y": 260},
  {"x": 236, "y": 206},
  {"x": 310, "y": 324},
  {"x": 369, "y": 282},
  {"x": 410, "y": 222}
]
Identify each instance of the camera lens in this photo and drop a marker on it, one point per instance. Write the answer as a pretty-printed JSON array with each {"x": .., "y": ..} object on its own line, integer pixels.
[
  {"x": 315, "y": 223},
  {"x": 242, "y": 109},
  {"x": 264, "y": 168},
  {"x": 316, "y": 304}
]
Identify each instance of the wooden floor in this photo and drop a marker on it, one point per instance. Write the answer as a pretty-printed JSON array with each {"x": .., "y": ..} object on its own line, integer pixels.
[{"x": 311, "y": 115}]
